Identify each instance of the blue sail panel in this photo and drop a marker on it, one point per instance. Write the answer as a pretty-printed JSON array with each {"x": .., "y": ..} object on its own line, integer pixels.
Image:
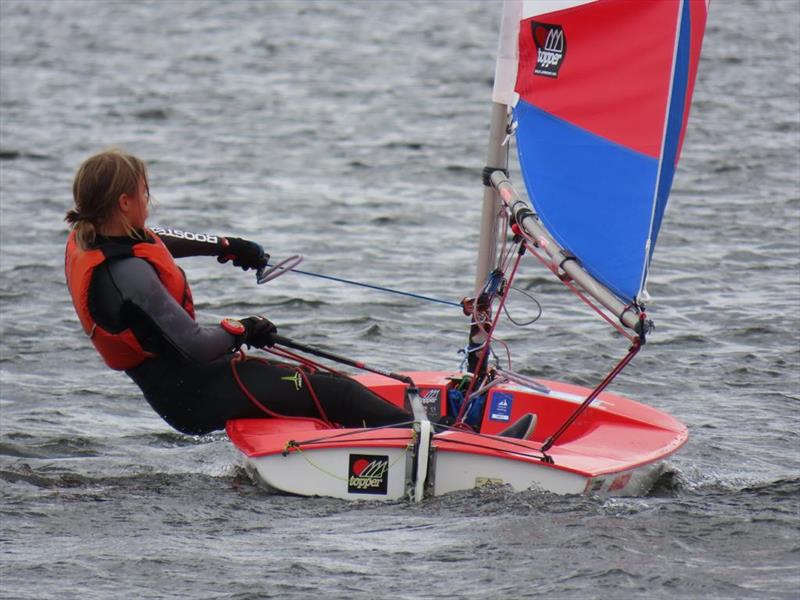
[{"x": 588, "y": 193}]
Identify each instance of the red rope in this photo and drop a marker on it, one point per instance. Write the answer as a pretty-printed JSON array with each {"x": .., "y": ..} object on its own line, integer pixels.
[
  {"x": 575, "y": 290},
  {"x": 310, "y": 364},
  {"x": 594, "y": 394},
  {"x": 489, "y": 333},
  {"x": 314, "y": 397},
  {"x": 241, "y": 357}
]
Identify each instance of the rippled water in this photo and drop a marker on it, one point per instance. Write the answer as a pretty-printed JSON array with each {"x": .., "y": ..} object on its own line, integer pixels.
[{"x": 354, "y": 134}]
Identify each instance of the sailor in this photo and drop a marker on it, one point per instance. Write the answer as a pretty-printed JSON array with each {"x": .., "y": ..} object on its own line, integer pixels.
[{"x": 135, "y": 304}]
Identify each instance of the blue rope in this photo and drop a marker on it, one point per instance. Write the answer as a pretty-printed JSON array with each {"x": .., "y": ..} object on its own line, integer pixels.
[{"x": 376, "y": 287}]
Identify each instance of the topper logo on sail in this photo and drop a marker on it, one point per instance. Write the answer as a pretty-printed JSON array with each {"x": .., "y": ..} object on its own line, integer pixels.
[
  {"x": 551, "y": 48},
  {"x": 369, "y": 474}
]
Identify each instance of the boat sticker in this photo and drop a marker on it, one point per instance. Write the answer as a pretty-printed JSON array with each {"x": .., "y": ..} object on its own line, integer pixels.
[
  {"x": 500, "y": 409},
  {"x": 551, "y": 48},
  {"x": 368, "y": 474},
  {"x": 432, "y": 401}
]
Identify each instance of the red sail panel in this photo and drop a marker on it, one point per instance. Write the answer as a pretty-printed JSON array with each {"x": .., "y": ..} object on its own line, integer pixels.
[{"x": 613, "y": 83}]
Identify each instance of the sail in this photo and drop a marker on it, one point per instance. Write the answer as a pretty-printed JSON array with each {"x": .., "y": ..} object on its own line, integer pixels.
[{"x": 601, "y": 91}]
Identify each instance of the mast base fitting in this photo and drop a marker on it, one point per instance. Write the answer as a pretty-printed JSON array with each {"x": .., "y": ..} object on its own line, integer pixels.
[{"x": 487, "y": 174}]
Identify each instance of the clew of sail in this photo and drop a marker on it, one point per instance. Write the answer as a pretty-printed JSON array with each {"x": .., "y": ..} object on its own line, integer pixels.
[{"x": 601, "y": 91}]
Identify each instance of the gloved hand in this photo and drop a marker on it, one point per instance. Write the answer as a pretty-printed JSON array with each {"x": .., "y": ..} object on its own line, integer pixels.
[
  {"x": 258, "y": 332},
  {"x": 243, "y": 253},
  {"x": 254, "y": 331}
]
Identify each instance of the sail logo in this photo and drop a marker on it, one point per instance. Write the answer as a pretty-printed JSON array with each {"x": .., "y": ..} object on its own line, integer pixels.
[
  {"x": 551, "y": 48},
  {"x": 368, "y": 474}
]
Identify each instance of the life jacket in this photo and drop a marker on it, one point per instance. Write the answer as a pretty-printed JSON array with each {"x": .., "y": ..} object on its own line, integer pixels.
[{"x": 121, "y": 350}]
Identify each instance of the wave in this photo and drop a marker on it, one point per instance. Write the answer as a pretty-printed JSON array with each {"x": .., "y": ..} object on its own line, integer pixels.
[
  {"x": 54, "y": 448},
  {"x": 53, "y": 477},
  {"x": 673, "y": 483}
]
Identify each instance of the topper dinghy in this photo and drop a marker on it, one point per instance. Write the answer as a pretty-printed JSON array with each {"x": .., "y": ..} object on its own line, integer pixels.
[{"x": 596, "y": 95}]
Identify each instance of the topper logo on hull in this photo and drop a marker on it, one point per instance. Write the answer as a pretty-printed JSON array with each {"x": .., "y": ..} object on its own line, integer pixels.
[
  {"x": 368, "y": 474},
  {"x": 551, "y": 48}
]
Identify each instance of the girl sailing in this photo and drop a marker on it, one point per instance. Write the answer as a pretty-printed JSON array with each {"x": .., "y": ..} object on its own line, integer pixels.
[{"x": 135, "y": 304}]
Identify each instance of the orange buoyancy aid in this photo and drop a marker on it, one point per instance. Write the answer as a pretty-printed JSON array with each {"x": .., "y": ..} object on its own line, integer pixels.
[{"x": 121, "y": 350}]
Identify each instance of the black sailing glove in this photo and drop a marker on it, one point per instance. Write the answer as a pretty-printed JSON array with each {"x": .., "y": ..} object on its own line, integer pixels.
[
  {"x": 259, "y": 332},
  {"x": 255, "y": 331},
  {"x": 243, "y": 253}
]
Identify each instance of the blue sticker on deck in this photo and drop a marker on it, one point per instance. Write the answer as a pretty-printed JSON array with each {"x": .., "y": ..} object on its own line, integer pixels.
[{"x": 500, "y": 410}]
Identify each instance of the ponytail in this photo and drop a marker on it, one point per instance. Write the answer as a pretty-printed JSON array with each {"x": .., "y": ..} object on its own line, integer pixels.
[{"x": 85, "y": 232}]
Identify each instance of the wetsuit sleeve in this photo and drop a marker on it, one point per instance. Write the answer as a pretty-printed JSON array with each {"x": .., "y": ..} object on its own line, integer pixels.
[
  {"x": 185, "y": 243},
  {"x": 145, "y": 298}
]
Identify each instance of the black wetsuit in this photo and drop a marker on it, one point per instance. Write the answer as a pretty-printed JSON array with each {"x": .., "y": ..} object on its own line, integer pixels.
[{"x": 190, "y": 382}]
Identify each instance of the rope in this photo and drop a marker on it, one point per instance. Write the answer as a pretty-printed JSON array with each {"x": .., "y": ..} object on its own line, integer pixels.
[
  {"x": 525, "y": 451},
  {"x": 575, "y": 290},
  {"x": 634, "y": 349},
  {"x": 241, "y": 357},
  {"x": 484, "y": 352},
  {"x": 335, "y": 436},
  {"x": 313, "y": 394},
  {"x": 299, "y": 451},
  {"x": 377, "y": 287},
  {"x": 306, "y": 362}
]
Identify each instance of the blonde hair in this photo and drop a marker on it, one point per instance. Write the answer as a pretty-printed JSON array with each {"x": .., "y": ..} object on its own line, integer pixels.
[{"x": 99, "y": 183}]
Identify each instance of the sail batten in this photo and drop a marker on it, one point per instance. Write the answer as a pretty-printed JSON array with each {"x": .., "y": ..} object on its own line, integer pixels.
[{"x": 601, "y": 99}]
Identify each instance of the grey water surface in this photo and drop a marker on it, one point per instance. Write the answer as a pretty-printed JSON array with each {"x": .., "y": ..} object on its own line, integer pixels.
[{"x": 354, "y": 133}]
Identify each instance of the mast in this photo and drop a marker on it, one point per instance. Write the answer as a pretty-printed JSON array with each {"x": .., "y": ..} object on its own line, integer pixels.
[
  {"x": 496, "y": 159},
  {"x": 497, "y": 154}
]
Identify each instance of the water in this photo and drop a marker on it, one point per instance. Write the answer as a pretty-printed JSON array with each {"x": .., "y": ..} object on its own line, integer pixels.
[{"x": 354, "y": 134}]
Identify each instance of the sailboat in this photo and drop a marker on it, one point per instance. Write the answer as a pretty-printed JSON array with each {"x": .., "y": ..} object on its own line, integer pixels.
[{"x": 595, "y": 94}]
